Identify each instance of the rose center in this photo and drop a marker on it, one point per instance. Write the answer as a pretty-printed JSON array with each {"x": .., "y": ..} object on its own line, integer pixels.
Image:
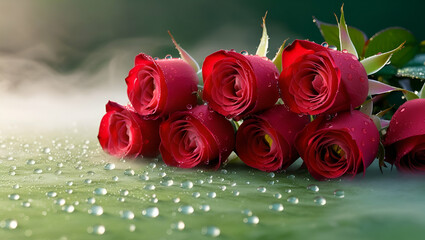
[
  {"x": 268, "y": 140},
  {"x": 337, "y": 150}
]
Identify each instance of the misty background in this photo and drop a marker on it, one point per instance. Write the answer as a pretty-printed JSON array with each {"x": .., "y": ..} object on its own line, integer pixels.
[{"x": 61, "y": 61}]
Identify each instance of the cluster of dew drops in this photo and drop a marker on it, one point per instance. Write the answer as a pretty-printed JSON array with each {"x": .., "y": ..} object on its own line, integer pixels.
[{"x": 71, "y": 161}]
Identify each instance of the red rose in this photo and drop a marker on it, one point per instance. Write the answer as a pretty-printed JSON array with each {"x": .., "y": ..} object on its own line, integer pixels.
[
  {"x": 197, "y": 137},
  {"x": 405, "y": 138},
  {"x": 266, "y": 141},
  {"x": 157, "y": 88},
  {"x": 316, "y": 79},
  {"x": 236, "y": 85},
  {"x": 344, "y": 145},
  {"x": 124, "y": 133}
]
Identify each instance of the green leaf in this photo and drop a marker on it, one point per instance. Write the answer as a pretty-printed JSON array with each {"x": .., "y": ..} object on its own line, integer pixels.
[
  {"x": 390, "y": 38},
  {"x": 417, "y": 72},
  {"x": 374, "y": 63},
  {"x": 344, "y": 36},
  {"x": 277, "y": 60},
  {"x": 185, "y": 56},
  {"x": 408, "y": 94},
  {"x": 331, "y": 35},
  {"x": 264, "y": 41}
]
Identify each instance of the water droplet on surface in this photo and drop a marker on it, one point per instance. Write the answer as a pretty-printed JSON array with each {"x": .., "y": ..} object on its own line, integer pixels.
[
  {"x": 325, "y": 44},
  {"x": 46, "y": 150},
  {"x": 68, "y": 208},
  {"x": 144, "y": 177},
  {"x": 186, "y": 184},
  {"x": 278, "y": 195},
  {"x": 91, "y": 200},
  {"x": 211, "y": 231},
  {"x": 211, "y": 194},
  {"x": 9, "y": 224},
  {"x": 100, "y": 191},
  {"x": 30, "y": 162},
  {"x": 97, "y": 230},
  {"x": 168, "y": 56},
  {"x": 291, "y": 176},
  {"x": 14, "y": 196},
  {"x": 115, "y": 178},
  {"x": 16, "y": 186},
  {"x": 150, "y": 187},
  {"x": 129, "y": 172},
  {"x": 262, "y": 189},
  {"x": 319, "y": 200},
  {"x": 253, "y": 220},
  {"x": 247, "y": 212},
  {"x": 344, "y": 51},
  {"x": 293, "y": 200},
  {"x": 124, "y": 192},
  {"x": 277, "y": 207},
  {"x": 176, "y": 200},
  {"x": 152, "y": 212},
  {"x": 205, "y": 207},
  {"x": 88, "y": 181},
  {"x": 166, "y": 181},
  {"x": 96, "y": 210},
  {"x": 235, "y": 193},
  {"x": 178, "y": 225},
  {"x": 26, "y": 204},
  {"x": 313, "y": 188},
  {"x": 332, "y": 47},
  {"x": 402, "y": 109},
  {"x": 109, "y": 166},
  {"x": 244, "y": 52},
  {"x": 38, "y": 171},
  {"x": 127, "y": 214},
  {"x": 339, "y": 193},
  {"x": 186, "y": 209},
  {"x": 51, "y": 194},
  {"x": 196, "y": 194},
  {"x": 132, "y": 228},
  {"x": 60, "y": 201}
]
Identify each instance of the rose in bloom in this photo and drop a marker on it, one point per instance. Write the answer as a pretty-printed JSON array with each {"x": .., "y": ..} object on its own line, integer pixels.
[
  {"x": 316, "y": 79},
  {"x": 405, "y": 139},
  {"x": 343, "y": 145},
  {"x": 236, "y": 85},
  {"x": 157, "y": 88},
  {"x": 197, "y": 137},
  {"x": 266, "y": 141},
  {"x": 124, "y": 133}
]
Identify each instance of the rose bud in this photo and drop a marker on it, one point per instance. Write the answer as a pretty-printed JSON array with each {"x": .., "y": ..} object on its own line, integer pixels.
[
  {"x": 157, "y": 88},
  {"x": 317, "y": 79},
  {"x": 197, "y": 137},
  {"x": 236, "y": 85},
  {"x": 344, "y": 145},
  {"x": 405, "y": 139},
  {"x": 124, "y": 133},
  {"x": 266, "y": 141}
]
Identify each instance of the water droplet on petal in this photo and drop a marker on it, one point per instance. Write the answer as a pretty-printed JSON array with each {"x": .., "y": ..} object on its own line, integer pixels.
[{"x": 244, "y": 52}]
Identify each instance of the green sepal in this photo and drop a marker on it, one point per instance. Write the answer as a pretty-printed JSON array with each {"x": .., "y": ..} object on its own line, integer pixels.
[
  {"x": 264, "y": 41},
  {"x": 185, "y": 56},
  {"x": 277, "y": 60},
  {"x": 374, "y": 63},
  {"x": 344, "y": 36}
]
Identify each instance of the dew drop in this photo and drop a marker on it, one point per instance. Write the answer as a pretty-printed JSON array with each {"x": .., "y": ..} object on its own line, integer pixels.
[
  {"x": 100, "y": 191},
  {"x": 313, "y": 188},
  {"x": 253, "y": 220},
  {"x": 144, "y": 177},
  {"x": 26, "y": 204},
  {"x": 212, "y": 195},
  {"x": 293, "y": 200},
  {"x": 60, "y": 201},
  {"x": 166, "y": 181},
  {"x": 186, "y": 209},
  {"x": 129, "y": 172},
  {"x": 189, "y": 106},
  {"x": 51, "y": 194},
  {"x": 247, "y": 212},
  {"x": 30, "y": 162},
  {"x": 278, "y": 195},
  {"x": 96, "y": 210},
  {"x": 97, "y": 230},
  {"x": 38, "y": 171},
  {"x": 244, "y": 52},
  {"x": 88, "y": 181},
  {"x": 9, "y": 224},
  {"x": 149, "y": 187},
  {"x": 91, "y": 200},
  {"x": 344, "y": 51},
  {"x": 152, "y": 212},
  {"x": 178, "y": 225},
  {"x": 205, "y": 207},
  {"x": 332, "y": 47},
  {"x": 168, "y": 56},
  {"x": 211, "y": 231},
  {"x": 46, "y": 150},
  {"x": 325, "y": 44},
  {"x": 277, "y": 207},
  {"x": 16, "y": 186},
  {"x": 132, "y": 228},
  {"x": 319, "y": 200},
  {"x": 127, "y": 214},
  {"x": 262, "y": 189},
  {"x": 196, "y": 194},
  {"x": 115, "y": 178},
  {"x": 402, "y": 109},
  {"x": 14, "y": 196},
  {"x": 68, "y": 208},
  {"x": 176, "y": 200},
  {"x": 109, "y": 166},
  {"x": 339, "y": 193},
  {"x": 291, "y": 176},
  {"x": 186, "y": 184},
  {"x": 235, "y": 193}
]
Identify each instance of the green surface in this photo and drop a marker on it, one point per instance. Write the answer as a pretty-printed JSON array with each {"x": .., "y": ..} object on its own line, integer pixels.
[{"x": 386, "y": 206}]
